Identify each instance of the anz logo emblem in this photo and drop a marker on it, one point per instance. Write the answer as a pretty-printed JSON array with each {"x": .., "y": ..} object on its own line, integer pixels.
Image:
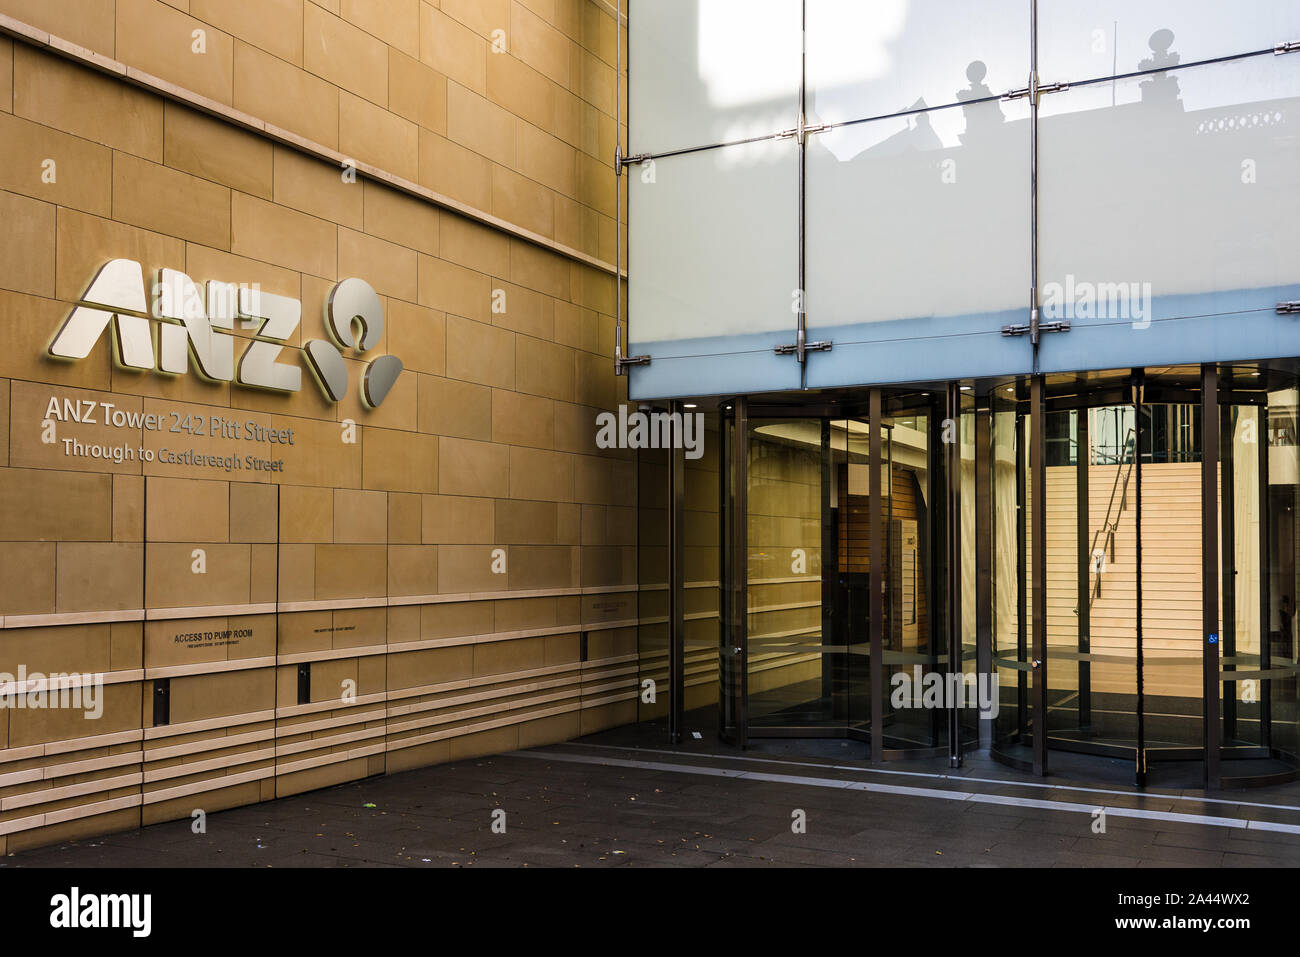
[{"x": 196, "y": 328}]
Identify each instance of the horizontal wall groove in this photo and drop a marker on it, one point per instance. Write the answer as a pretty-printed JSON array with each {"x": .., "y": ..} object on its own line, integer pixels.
[
  {"x": 178, "y": 94},
  {"x": 59, "y": 619}
]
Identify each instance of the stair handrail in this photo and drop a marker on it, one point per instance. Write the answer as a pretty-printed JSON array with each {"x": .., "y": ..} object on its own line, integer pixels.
[{"x": 1108, "y": 527}]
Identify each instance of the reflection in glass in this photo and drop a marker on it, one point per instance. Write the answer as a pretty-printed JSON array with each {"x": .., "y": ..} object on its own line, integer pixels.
[
  {"x": 889, "y": 56},
  {"x": 1279, "y": 684},
  {"x": 792, "y": 666},
  {"x": 716, "y": 251},
  {"x": 702, "y": 573},
  {"x": 1011, "y": 660},
  {"x": 915, "y": 648},
  {"x": 1157, "y": 189},
  {"x": 1082, "y": 41},
  {"x": 653, "y": 566},
  {"x": 711, "y": 71},
  {"x": 1242, "y": 658},
  {"x": 893, "y": 203}
]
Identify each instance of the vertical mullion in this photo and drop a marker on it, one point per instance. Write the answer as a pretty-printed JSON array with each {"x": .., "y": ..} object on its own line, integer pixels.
[
  {"x": 1038, "y": 496},
  {"x": 952, "y": 481},
  {"x": 984, "y": 555},
  {"x": 1022, "y": 577},
  {"x": 1139, "y": 401},
  {"x": 740, "y": 568},
  {"x": 1083, "y": 562},
  {"x": 1033, "y": 181},
  {"x": 1209, "y": 568},
  {"x": 1265, "y": 580},
  {"x": 876, "y": 580},
  {"x": 1227, "y": 497},
  {"x": 829, "y": 661},
  {"x": 801, "y": 333},
  {"x": 726, "y": 597},
  {"x": 676, "y": 587}
]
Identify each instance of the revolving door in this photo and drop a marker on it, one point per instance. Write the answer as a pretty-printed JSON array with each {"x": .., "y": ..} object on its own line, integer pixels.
[
  {"x": 1153, "y": 623},
  {"x": 840, "y": 545}
]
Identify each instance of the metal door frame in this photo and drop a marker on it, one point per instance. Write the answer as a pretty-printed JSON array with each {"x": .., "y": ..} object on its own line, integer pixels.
[{"x": 737, "y": 414}]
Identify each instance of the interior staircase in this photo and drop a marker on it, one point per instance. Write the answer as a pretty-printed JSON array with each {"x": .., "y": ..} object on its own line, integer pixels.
[{"x": 1171, "y": 577}]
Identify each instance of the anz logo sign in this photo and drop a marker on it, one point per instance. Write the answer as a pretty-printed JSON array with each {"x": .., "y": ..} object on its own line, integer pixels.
[{"x": 199, "y": 328}]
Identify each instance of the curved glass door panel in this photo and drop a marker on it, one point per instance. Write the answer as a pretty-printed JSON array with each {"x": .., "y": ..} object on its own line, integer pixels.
[
  {"x": 1069, "y": 673},
  {"x": 792, "y": 663},
  {"x": 878, "y": 59},
  {"x": 1107, "y": 661},
  {"x": 1170, "y": 216},
  {"x": 704, "y": 72},
  {"x": 893, "y": 203},
  {"x": 713, "y": 271},
  {"x": 1125, "y": 520},
  {"x": 1279, "y": 680},
  {"x": 1242, "y": 502},
  {"x": 850, "y": 496},
  {"x": 1259, "y": 495},
  {"x": 1172, "y": 646},
  {"x": 732, "y": 434},
  {"x": 984, "y": 699},
  {"x": 915, "y": 659},
  {"x": 654, "y": 631},
  {"x": 1011, "y": 647},
  {"x": 1084, "y": 40},
  {"x": 701, "y": 554}
]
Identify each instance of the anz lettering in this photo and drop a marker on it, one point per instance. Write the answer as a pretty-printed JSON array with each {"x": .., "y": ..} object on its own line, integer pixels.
[{"x": 197, "y": 329}]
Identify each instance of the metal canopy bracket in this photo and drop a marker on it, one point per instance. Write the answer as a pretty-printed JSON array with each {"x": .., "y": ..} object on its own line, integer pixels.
[
  {"x": 1033, "y": 327},
  {"x": 802, "y": 131},
  {"x": 801, "y": 347},
  {"x": 1034, "y": 88},
  {"x": 1288, "y": 308},
  {"x": 1289, "y": 47},
  {"x": 622, "y": 363},
  {"x": 622, "y": 162}
]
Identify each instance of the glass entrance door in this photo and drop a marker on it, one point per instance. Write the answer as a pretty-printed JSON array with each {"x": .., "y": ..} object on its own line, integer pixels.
[
  {"x": 797, "y": 622},
  {"x": 1145, "y": 530},
  {"x": 809, "y": 503},
  {"x": 805, "y": 647}
]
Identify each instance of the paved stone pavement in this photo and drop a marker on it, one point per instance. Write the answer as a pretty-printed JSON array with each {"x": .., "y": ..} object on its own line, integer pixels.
[{"x": 599, "y": 805}]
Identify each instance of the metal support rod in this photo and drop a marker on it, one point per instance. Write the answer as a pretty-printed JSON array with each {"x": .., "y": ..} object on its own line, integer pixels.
[
  {"x": 1083, "y": 561},
  {"x": 676, "y": 588},
  {"x": 621, "y": 362},
  {"x": 1224, "y": 429},
  {"x": 1209, "y": 568},
  {"x": 952, "y": 557},
  {"x": 1034, "y": 91},
  {"x": 740, "y": 568},
  {"x": 1022, "y": 577},
  {"x": 726, "y": 566},
  {"x": 932, "y": 559},
  {"x": 1265, "y": 583},
  {"x": 876, "y": 583},
  {"x": 1033, "y": 179},
  {"x": 618, "y": 187},
  {"x": 801, "y": 346},
  {"x": 830, "y": 663},
  {"x": 801, "y": 334},
  {"x": 1138, "y": 382},
  {"x": 1038, "y": 495},
  {"x": 984, "y": 554}
]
